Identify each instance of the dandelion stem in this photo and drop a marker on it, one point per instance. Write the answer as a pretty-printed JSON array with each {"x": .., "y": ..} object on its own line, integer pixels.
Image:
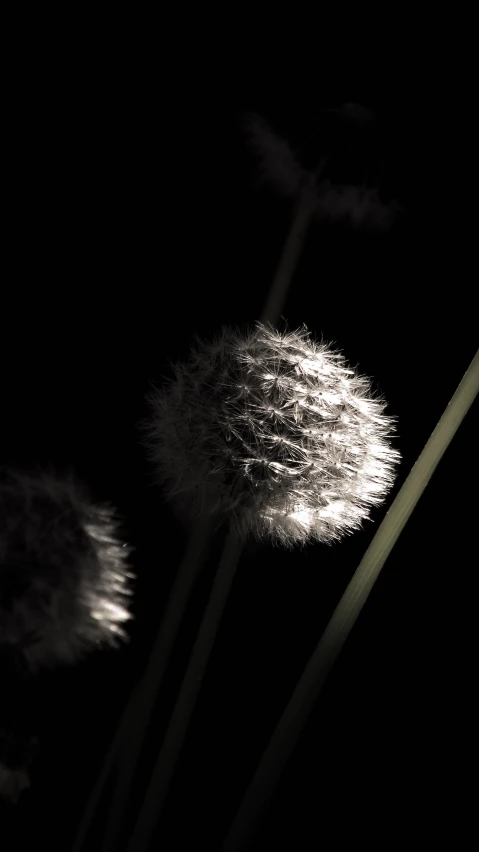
[
  {"x": 300, "y": 706},
  {"x": 185, "y": 704},
  {"x": 132, "y": 728},
  {"x": 121, "y": 733},
  {"x": 291, "y": 252}
]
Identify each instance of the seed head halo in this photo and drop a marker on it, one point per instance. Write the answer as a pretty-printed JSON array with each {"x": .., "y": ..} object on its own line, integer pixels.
[{"x": 274, "y": 432}]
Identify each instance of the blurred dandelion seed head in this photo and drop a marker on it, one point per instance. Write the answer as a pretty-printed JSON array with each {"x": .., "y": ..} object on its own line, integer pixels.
[
  {"x": 274, "y": 432},
  {"x": 281, "y": 168},
  {"x": 64, "y": 578}
]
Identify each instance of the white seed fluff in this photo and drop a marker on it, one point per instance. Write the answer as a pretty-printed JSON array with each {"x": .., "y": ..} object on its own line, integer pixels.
[
  {"x": 274, "y": 432},
  {"x": 64, "y": 579}
]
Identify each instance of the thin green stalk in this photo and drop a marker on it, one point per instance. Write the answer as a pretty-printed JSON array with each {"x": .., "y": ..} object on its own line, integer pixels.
[
  {"x": 132, "y": 727},
  {"x": 185, "y": 704},
  {"x": 298, "y": 710}
]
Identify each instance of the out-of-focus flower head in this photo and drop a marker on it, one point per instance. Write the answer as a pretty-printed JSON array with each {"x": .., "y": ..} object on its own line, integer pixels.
[
  {"x": 281, "y": 167},
  {"x": 64, "y": 578},
  {"x": 12, "y": 783},
  {"x": 354, "y": 115},
  {"x": 358, "y": 205},
  {"x": 274, "y": 432},
  {"x": 277, "y": 163}
]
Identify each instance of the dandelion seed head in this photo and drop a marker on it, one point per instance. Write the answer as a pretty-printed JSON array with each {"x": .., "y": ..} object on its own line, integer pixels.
[
  {"x": 64, "y": 578},
  {"x": 303, "y": 456}
]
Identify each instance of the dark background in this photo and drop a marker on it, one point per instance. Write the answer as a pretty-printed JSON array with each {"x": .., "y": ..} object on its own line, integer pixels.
[{"x": 134, "y": 219}]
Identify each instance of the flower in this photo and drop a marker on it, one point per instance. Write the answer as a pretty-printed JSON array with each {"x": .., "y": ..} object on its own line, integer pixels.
[
  {"x": 273, "y": 431},
  {"x": 361, "y": 206},
  {"x": 63, "y": 570},
  {"x": 356, "y": 116},
  {"x": 12, "y": 783},
  {"x": 280, "y": 167},
  {"x": 278, "y": 164}
]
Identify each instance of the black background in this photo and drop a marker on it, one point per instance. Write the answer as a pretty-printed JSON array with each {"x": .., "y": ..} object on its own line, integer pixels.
[{"x": 134, "y": 219}]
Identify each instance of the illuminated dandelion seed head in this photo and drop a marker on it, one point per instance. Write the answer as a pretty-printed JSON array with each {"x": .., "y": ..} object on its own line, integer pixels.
[
  {"x": 274, "y": 432},
  {"x": 63, "y": 570}
]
